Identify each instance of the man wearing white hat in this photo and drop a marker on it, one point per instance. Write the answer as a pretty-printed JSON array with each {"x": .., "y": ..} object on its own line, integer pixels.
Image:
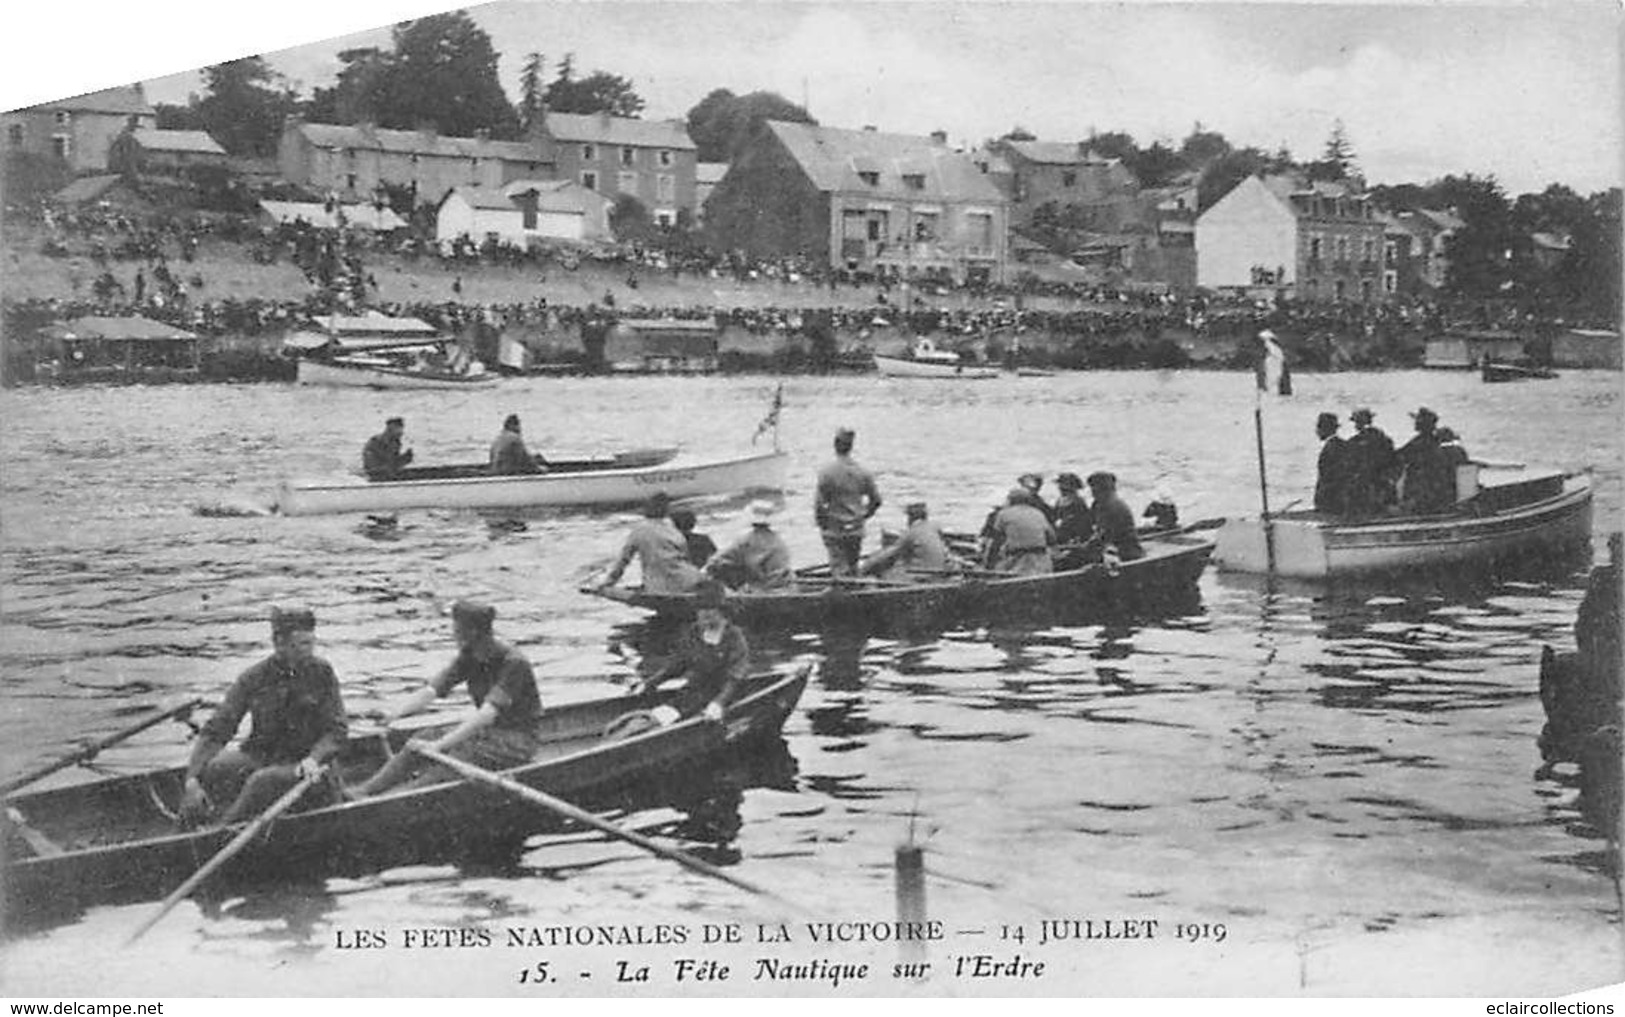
[{"x": 759, "y": 560}]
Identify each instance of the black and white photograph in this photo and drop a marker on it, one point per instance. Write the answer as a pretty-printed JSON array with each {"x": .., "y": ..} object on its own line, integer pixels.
[{"x": 637, "y": 498}]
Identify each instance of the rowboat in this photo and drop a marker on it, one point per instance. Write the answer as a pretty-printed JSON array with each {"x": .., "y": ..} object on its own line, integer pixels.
[
  {"x": 1544, "y": 513},
  {"x": 116, "y": 839},
  {"x": 625, "y": 459},
  {"x": 1170, "y": 567},
  {"x": 1493, "y": 371},
  {"x": 926, "y": 361},
  {"x": 615, "y": 486},
  {"x": 380, "y": 372}
]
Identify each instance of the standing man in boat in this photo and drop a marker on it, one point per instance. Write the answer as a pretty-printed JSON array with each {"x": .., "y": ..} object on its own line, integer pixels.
[
  {"x": 712, "y": 654},
  {"x": 660, "y": 550},
  {"x": 381, "y": 457},
  {"x": 760, "y": 560},
  {"x": 921, "y": 548},
  {"x": 1425, "y": 488},
  {"x": 1115, "y": 533},
  {"x": 1020, "y": 537},
  {"x": 847, "y": 497},
  {"x": 1331, "y": 476},
  {"x": 1372, "y": 467},
  {"x": 700, "y": 546},
  {"x": 500, "y": 734},
  {"x": 298, "y": 722},
  {"x": 509, "y": 456}
]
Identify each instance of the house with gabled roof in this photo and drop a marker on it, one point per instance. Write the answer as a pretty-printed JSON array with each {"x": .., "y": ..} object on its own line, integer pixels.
[
  {"x": 79, "y": 130},
  {"x": 1431, "y": 230},
  {"x": 865, "y": 201},
  {"x": 1061, "y": 173},
  {"x": 654, "y": 161},
  {"x": 352, "y": 162},
  {"x": 522, "y": 212},
  {"x": 150, "y": 150}
]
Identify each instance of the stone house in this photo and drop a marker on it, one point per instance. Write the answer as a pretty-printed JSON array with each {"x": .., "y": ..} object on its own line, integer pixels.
[
  {"x": 151, "y": 151},
  {"x": 79, "y": 130},
  {"x": 354, "y": 162},
  {"x": 652, "y": 160},
  {"x": 1432, "y": 230},
  {"x": 1060, "y": 173}
]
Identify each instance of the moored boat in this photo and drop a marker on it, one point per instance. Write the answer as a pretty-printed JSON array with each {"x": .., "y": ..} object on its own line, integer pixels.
[
  {"x": 116, "y": 839},
  {"x": 926, "y": 361},
  {"x": 1544, "y": 513},
  {"x": 383, "y": 372},
  {"x": 1498, "y": 371},
  {"x": 615, "y": 486},
  {"x": 1171, "y": 566}
]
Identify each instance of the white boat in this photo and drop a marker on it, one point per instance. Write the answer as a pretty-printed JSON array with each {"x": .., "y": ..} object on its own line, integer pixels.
[
  {"x": 598, "y": 487},
  {"x": 926, "y": 361},
  {"x": 1543, "y": 513},
  {"x": 382, "y": 372}
]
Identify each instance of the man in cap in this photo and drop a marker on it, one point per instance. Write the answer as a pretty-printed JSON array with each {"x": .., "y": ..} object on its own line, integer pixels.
[
  {"x": 759, "y": 560},
  {"x": 700, "y": 546},
  {"x": 1114, "y": 523},
  {"x": 1033, "y": 483},
  {"x": 660, "y": 550},
  {"x": 509, "y": 456},
  {"x": 920, "y": 548},
  {"x": 712, "y": 654},
  {"x": 1372, "y": 467},
  {"x": 1331, "y": 469},
  {"x": 1074, "y": 522},
  {"x": 845, "y": 500},
  {"x": 298, "y": 722},
  {"x": 381, "y": 457},
  {"x": 1428, "y": 483},
  {"x": 1020, "y": 537},
  {"x": 500, "y": 734}
]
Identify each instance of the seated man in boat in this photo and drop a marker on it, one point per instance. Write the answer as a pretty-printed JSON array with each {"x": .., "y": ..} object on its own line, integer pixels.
[
  {"x": 1115, "y": 535},
  {"x": 1020, "y": 537},
  {"x": 760, "y": 560},
  {"x": 660, "y": 550},
  {"x": 298, "y": 722},
  {"x": 382, "y": 458},
  {"x": 1427, "y": 481},
  {"x": 500, "y": 734},
  {"x": 1373, "y": 469},
  {"x": 1033, "y": 483},
  {"x": 509, "y": 456},
  {"x": 700, "y": 546},
  {"x": 1162, "y": 512},
  {"x": 1074, "y": 522},
  {"x": 920, "y": 548},
  {"x": 1331, "y": 469},
  {"x": 711, "y": 654}
]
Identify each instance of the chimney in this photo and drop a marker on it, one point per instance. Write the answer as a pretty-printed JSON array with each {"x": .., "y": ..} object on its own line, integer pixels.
[
  {"x": 871, "y": 128},
  {"x": 940, "y": 137}
]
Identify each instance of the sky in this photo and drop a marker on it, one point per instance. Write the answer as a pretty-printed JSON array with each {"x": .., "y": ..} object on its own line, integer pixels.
[{"x": 1527, "y": 91}]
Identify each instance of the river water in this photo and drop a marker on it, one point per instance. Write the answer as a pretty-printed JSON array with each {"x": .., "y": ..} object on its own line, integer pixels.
[{"x": 1344, "y": 779}]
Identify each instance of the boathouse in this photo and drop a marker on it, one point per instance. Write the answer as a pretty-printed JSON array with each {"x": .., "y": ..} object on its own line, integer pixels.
[{"x": 96, "y": 349}]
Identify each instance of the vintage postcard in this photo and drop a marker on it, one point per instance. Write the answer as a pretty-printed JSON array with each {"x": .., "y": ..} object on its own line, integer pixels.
[{"x": 698, "y": 499}]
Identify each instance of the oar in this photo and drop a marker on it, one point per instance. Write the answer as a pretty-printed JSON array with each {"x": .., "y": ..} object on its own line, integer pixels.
[
  {"x": 226, "y": 853},
  {"x": 85, "y": 753},
  {"x": 564, "y": 808}
]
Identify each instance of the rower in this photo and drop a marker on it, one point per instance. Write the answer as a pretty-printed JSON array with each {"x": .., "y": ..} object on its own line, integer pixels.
[
  {"x": 661, "y": 552},
  {"x": 920, "y": 548},
  {"x": 760, "y": 560},
  {"x": 1033, "y": 483},
  {"x": 509, "y": 456},
  {"x": 1021, "y": 537},
  {"x": 298, "y": 723},
  {"x": 500, "y": 734},
  {"x": 1162, "y": 512},
  {"x": 713, "y": 656},
  {"x": 1115, "y": 535},
  {"x": 381, "y": 457}
]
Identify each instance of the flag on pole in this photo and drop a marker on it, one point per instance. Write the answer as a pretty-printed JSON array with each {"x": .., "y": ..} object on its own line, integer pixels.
[
  {"x": 1270, "y": 370},
  {"x": 771, "y": 421}
]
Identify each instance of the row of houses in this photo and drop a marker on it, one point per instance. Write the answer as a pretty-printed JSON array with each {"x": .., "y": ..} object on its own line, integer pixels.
[{"x": 860, "y": 200}]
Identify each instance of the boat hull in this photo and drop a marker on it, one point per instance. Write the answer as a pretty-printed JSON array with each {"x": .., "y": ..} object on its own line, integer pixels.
[
  {"x": 119, "y": 847},
  {"x": 340, "y": 375},
  {"x": 1309, "y": 546},
  {"x": 597, "y": 488},
  {"x": 907, "y": 367},
  {"x": 1168, "y": 571}
]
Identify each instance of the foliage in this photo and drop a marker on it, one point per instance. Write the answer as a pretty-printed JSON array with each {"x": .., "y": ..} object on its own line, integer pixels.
[
  {"x": 598, "y": 92},
  {"x": 629, "y": 219},
  {"x": 722, "y": 124},
  {"x": 174, "y": 117},
  {"x": 243, "y": 105},
  {"x": 26, "y": 177},
  {"x": 531, "y": 105},
  {"x": 1018, "y": 133}
]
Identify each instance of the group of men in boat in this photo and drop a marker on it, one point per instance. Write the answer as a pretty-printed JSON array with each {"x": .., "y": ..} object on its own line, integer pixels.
[
  {"x": 383, "y": 459},
  {"x": 1365, "y": 476}
]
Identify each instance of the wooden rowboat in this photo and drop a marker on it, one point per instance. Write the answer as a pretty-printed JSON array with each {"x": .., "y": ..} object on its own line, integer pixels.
[
  {"x": 1494, "y": 371},
  {"x": 365, "y": 372},
  {"x": 1170, "y": 567},
  {"x": 612, "y": 487},
  {"x": 1541, "y": 515},
  {"x": 115, "y": 839},
  {"x": 628, "y": 459},
  {"x": 910, "y": 367}
]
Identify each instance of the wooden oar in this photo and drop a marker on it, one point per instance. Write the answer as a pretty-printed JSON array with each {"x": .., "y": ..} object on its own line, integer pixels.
[
  {"x": 580, "y": 815},
  {"x": 226, "y": 853},
  {"x": 86, "y": 753}
]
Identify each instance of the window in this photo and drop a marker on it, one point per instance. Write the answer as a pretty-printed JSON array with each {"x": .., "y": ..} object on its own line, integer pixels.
[
  {"x": 1390, "y": 251},
  {"x": 665, "y": 157},
  {"x": 629, "y": 155},
  {"x": 14, "y": 134},
  {"x": 914, "y": 181},
  {"x": 877, "y": 228},
  {"x": 1368, "y": 250},
  {"x": 1342, "y": 248},
  {"x": 349, "y": 181},
  {"x": 925, "y": 227},
  {"x": 626, "y": 183},
  {"x": 61, "y": 146},
  {"x": 665, "y": 187},
  {"x": 1390, "y": 282},
  {"x": 63, "y": 118},
  {"x": 869, "y": 177},
  {"x": 414, "y": 158},
  {"x": 1314, "y": 247},
  {"x": 473, "y": 171},
  {"x": 979, "y": 230},
  {"x": 589, "y": 180},
  {"x": 665, "y": 217},
  {"x": 1069, "y": 178},
  {"x": 589, "y": 153}
]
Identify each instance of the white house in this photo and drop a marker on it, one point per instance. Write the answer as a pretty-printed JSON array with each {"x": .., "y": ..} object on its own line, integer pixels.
[
  {"x": 521, "y": 212},
  {"x": 1249, "y": 228}
]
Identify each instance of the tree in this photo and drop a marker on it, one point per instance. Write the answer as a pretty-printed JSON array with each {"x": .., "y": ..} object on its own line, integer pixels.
[
  {"x": 243, "y": 105},
  {"x": 629, "y": 219},
  {"x": 1202, "y": 147},
  {"x": 1157, "y": 165},
  {"x": 355, "y": 96},
  {"x": 1479, "y": 253},
  {"x": 1018, "y": 133},
  {"x": 1337, "y": 160},
  {"x": 1114, "y": 145},
  {"x": 174, "y": 117},
  {"x": 531, "y": 106},
  {"x": 1228, "y": 170},
  {"x": 444, "y": 72},
  {"x": 722, "y": 123},
  {"x": 598, "y": 92}
]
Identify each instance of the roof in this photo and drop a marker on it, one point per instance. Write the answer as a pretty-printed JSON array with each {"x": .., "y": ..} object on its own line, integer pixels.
[
  {"x": 1055, "y": 153},
  {"x": 1442, "y": 219},
  {"x": 604, "y": 129},
  {"x": 118, "y": 330},
  {"x": 357, "y": 214},
  {"x": 551, "y": 196},
  {"x": 709, "y": 172},
  {"x": 832, "y": 157},
  {"x": 85, "y": 189},
  {"x": 372, "y": 323},
  {"x": 381, "y": 139},
  {"x": 125, "y": 100},
  {"x": 176, "y": 141},
  {"x": 994, "y": 161},
  {"x": 1550, "y": 241}
]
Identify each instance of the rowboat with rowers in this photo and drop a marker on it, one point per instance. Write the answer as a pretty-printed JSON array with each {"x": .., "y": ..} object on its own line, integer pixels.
[
  {"x": 116, "y": 839},
  {"x": 814, "y": 599}
]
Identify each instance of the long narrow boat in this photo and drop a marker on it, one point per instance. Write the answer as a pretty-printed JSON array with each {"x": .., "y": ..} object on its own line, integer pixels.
[
  {"x": 913, "y": 367},
  {"x": 1170, "y": 567},
  {"x": 625, "y": 459},
  {"x": 372, "y": 372},
  {"x": 1544, "y": 514},
  {"x": 1495, "y": 371},
  {"x": 115, "y": 839},
  {"x": 600, "y": 488}
]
